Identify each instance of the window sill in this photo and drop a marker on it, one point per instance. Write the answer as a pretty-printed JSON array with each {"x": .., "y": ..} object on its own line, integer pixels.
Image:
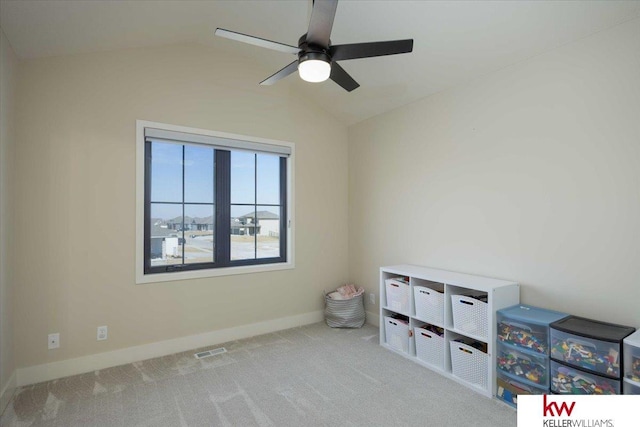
[{"x": 214, "y": 272}]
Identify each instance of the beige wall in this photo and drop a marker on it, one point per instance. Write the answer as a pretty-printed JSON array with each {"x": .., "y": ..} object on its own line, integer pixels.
[
  {"x": 8, "y": 84},
  {"x": 75, "y": 210},
  {"x": 527, "y": 174},
  {"x": 531, "y": 174}
]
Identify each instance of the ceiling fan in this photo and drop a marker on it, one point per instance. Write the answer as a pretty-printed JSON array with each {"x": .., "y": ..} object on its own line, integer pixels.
[{"x": 316, "y": 55}]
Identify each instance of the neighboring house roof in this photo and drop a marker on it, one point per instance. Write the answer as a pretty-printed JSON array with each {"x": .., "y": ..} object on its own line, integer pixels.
[
  {"x": 235, "y": 222},
  {"x": 261, "y": 215},
  {"x": 162, "y": 232},
  {"x": 191, "y": 220},
  {"x": 178, "y": 220}
]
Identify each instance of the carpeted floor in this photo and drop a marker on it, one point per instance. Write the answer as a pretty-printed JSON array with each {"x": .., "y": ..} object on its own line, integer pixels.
[{"x": 307, "y": 376}]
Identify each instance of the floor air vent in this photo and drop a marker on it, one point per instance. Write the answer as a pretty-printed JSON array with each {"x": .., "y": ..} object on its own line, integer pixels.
[{"x": 210, "y": 353}]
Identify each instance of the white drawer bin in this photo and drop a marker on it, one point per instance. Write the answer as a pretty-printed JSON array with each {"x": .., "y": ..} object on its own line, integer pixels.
[
  {"x": 470, "y": 315},
  {"x": 397, "y": 293},
  {"x": 429, "y": 347},
  {"x": 469, "y": 364},
  {"x": 397, "y": 333},
  {"x": 429, "y": 304}
]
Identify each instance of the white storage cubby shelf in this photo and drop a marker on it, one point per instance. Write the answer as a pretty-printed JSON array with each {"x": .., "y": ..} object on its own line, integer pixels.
[{"x": 443, "y": 299}]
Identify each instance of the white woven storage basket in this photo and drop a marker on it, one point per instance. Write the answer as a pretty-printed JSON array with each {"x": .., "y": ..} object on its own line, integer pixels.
[
  {"x": 470, "y": 315},
  {"x": 429, "y": 347},
  {"x": 469, "y": 364},
  {"x": 397, "y": 334},
  {"x": 429, "y": 304},
  {"x": 397, "y": 293}
]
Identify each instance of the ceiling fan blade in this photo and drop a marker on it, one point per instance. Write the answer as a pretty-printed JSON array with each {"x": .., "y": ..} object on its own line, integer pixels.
[
  {"x": 281, "y": 74},
  {"x": 342, "y": 52},
  {"x": 322, "y": 15},
  {"x": 257, "y": 41},
  {"x": 340, "y": 76}
]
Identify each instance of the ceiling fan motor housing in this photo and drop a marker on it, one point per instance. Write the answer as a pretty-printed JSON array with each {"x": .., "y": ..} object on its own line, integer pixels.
[
  {"x": 317, "y": 56},
  {"x": 312, "y": 51}
]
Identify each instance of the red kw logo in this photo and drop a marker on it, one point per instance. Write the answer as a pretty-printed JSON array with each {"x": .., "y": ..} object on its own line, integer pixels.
[{"x": 548, "y": 408}]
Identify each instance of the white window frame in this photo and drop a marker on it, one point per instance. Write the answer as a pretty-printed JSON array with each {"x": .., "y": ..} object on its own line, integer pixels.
[{"x": 141, "y": 277}]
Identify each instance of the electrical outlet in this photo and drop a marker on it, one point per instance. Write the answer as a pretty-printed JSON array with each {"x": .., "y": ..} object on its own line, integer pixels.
[
  {"x": 53, "y": 341},
  {"x": 102, "y": 333},
  {"x": 372, "y": 298}
]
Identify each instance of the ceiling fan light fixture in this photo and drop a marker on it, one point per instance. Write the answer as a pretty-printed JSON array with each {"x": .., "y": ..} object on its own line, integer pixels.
[{"x": 314, "y": 67}]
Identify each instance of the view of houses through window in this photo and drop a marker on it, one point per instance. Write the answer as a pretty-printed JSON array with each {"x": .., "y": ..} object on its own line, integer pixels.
[{"x": 182, "y": 204}]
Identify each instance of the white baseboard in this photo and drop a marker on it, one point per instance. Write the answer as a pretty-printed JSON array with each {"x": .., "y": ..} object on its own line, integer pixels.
[
  {"x": 373, "y": 318},
  {"x": 94, "y": 362},
  {"x": 7, "y": 391}
]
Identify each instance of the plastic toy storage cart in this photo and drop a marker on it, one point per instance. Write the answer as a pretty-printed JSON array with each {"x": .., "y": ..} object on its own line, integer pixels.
[
  {"x": 587, "y": 356},
  {"x": 508, "y": 390},
  {"x": 631, "y": 359},
  {"x": 522, "y": 351}
]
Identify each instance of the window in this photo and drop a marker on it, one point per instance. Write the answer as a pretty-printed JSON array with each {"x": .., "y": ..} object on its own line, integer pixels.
[{"x": 211, "y": 203}]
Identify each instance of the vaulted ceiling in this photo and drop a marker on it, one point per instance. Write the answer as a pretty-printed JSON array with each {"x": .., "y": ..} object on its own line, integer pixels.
[{"x": 454, "y": 41}]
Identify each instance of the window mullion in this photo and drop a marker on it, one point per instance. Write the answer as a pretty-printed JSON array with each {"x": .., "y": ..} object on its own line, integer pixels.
[
  {"x": 184, "y": 241},
  {"x": 255, "y": 206},
  {"x": 223, "y": 206},
  {"x": 147, "y": 207},
  {"x": 214, "y": 243},
  {"x": 283, "y": 208}
]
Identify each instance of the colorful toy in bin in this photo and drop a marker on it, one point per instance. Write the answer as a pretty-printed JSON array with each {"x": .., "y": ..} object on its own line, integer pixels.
[
  {"x": 520, "y": 336},
  {"x": 567, "y": 382},
  {"x": 521, "y": 366},
  {"x": 585, "y": 354},
  {"x": 634, "y": 375},
  {"x": 508, "y": 396}
]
